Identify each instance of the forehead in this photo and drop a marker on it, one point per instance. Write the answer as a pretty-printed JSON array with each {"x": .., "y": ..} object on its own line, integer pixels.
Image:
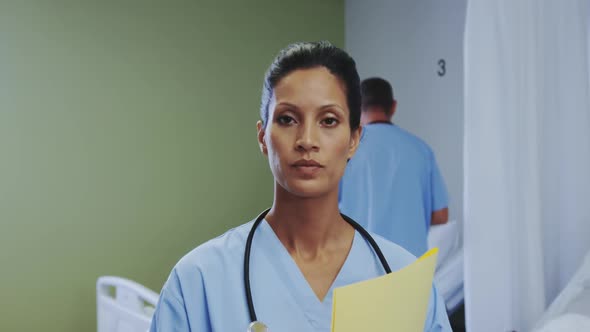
[{"x": 313, "y": 85}]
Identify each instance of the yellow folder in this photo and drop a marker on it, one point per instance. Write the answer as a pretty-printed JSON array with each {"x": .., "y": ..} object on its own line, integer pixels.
[{"x": 394, "y": 302}]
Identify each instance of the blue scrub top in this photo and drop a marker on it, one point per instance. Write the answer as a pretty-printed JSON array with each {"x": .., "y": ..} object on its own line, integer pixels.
[
  {"x": 205, "y": 290},
  {"x": 392, "y": 185}
]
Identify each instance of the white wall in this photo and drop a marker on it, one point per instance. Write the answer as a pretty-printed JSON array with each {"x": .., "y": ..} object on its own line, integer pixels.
[{"x": 403, "y": 41}]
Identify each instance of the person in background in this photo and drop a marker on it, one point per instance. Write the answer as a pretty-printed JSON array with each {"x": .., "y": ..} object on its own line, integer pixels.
[
  {"x": 392, "y": 185},
  {"x": 281, "y": 268}
]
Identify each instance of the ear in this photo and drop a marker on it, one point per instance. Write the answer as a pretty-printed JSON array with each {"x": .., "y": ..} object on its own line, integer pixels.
[
  {"x": 393, "y": 108},
  {"x": 355, "y": 139},
  {"x": 261, "y": 141}
]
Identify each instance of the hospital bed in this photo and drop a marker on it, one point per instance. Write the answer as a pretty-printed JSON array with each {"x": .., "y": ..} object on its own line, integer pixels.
[
  {"x": 570, "y": 311},
  {"x": 123, "y": 305},
  {"x": 448, "y": 276}
]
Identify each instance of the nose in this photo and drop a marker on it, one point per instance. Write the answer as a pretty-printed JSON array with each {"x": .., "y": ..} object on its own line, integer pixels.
[{"x": 307, "y": 138}]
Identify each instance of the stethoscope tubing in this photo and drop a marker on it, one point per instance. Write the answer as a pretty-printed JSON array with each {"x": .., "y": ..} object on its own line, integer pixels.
[{"x": 250, "y": 239}]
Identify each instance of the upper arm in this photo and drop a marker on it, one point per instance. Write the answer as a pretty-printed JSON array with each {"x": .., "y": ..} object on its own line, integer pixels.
[
  {"x": 438, "y": 188},
  {"x": 437, "y": 319},
  {"x": 171, "y": 312}
]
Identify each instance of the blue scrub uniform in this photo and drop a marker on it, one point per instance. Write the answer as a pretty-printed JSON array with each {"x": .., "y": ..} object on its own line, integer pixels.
[
  {"x": 392, "y": 185},
  {"x": 205, "y": 290}
]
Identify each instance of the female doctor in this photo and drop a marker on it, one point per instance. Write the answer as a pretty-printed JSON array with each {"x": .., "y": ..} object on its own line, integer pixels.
[{"x": 280, "y": 269}]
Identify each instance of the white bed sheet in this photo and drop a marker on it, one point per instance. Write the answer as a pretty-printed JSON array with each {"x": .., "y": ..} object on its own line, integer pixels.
[
  {"x": 570, "y": 311},
  {"x": 449, "y": 280},
  {"x": 448, "y": 277}
]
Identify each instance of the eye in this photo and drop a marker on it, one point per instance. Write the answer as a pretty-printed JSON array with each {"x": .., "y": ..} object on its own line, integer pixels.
[
  {"x": 285, "y": 120},
  {"x": 330, "y": 122}
]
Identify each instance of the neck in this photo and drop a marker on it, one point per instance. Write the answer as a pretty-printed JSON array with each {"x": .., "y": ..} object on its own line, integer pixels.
[
  {"x": 308, "y": 225},
  {"x": 375, "y": 116}
]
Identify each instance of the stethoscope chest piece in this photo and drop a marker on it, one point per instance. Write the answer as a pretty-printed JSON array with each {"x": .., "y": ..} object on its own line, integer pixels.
[{"x": 257, "y": 327}]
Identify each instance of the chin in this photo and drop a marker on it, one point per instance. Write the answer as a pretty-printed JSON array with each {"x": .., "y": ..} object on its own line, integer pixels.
[{"x": 308, "y": 188}]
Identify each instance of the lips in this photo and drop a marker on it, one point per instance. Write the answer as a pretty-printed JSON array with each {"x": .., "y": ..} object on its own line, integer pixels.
[
  {"x": 307, "y": 168},
  {"x": 307, "y": 163}
]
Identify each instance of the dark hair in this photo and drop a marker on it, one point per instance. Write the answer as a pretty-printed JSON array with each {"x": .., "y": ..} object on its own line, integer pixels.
[
  {"x": 376, "y": 92},
  {"x": 307, "y": 55}
]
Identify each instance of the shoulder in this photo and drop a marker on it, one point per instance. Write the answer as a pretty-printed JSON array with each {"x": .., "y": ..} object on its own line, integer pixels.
[
  {"x": 410, "y": 137},
  {"x": 215, "y": 253},
  {"x": 213, "y": 262},
  {"x": 212, "y": 267},
  {"x": 396, "y": 256},
  {"x": 396, "y": 133}
]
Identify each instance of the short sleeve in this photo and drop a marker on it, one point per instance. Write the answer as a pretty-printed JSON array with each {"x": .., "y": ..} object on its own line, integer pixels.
[
  {"x": 171, "y": 311},
  {"x": 440, "y": 199}
]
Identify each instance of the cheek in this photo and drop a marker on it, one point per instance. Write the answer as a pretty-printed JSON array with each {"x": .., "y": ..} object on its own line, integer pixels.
[
  {"x": 272, "y": 153},
  {"x": 339, "y": 148},
  {"x": 340, "y": 145},
  {"x": 343, "y": 152},
  {"x": 275, "y": 150}
]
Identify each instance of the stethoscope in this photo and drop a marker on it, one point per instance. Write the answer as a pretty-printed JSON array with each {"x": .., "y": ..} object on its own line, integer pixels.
[{"x": 257, "y": 326}]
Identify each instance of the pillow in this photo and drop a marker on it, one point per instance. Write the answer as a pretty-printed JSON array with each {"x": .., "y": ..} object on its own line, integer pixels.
[{"x": 446, "y": 238}]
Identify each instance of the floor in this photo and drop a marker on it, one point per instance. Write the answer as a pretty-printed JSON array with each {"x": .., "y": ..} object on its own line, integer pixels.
[{"x": 457, "y": 319}]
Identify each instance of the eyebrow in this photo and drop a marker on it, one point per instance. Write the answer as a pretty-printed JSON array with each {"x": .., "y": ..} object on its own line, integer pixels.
[
  {"x": 323, "y": 107},
  {"x": 284, "y": 103},
  {"x": 332, "y": 106}
]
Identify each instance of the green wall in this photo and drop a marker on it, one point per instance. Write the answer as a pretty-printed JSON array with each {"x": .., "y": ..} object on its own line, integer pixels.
[{"x": 127, "y": 137}]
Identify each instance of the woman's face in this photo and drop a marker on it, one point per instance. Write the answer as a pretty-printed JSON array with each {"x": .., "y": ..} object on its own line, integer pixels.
[{"x": 308, "y": 138}]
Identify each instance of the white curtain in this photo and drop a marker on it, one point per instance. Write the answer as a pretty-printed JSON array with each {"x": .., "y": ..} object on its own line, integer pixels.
[{"x": 527, "y": 157}]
